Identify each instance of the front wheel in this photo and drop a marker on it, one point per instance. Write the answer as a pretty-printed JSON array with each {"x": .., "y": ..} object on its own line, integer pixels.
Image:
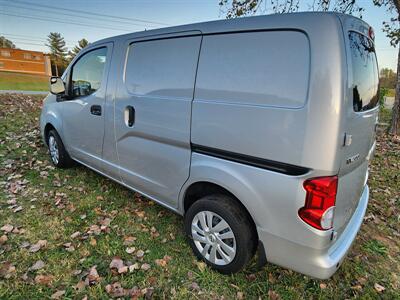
[
  {"x": 59, "y": 156},
  {"x": 220, "y": 233}
]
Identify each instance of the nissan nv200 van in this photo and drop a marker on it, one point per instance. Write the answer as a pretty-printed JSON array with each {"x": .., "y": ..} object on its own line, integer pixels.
[{"x": 257, "y": 130}]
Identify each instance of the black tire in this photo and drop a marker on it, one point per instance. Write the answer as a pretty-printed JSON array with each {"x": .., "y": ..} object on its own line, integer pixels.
[
  {"x": 64, "y": 160},
  {"x": 238, "y": 221}
]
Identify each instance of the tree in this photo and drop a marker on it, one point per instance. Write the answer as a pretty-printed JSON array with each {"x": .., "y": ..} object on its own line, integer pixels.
[
  {"x": 387, "y": 78},
  {"x": 239, "y": 8},
  {"x": 6, "y": 43},
  {"x": 392, "y": 30},
  {"x": 81, "y": 44},
  {"x": 58, "y": 51}
]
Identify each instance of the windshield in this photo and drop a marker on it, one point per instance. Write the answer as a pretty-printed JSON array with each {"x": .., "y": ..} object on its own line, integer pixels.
[{"x": 365, "y": 72}]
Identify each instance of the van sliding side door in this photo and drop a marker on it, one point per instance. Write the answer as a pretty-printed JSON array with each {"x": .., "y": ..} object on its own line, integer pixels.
[{"x": 153, "y": 114}]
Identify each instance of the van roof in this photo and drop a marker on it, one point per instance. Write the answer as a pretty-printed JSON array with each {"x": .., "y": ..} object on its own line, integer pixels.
[{"x": 278, "y": 21}]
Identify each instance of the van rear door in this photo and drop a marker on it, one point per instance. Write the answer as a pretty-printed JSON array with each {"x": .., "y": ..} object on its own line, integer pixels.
[{"x": 361, "y": 113}]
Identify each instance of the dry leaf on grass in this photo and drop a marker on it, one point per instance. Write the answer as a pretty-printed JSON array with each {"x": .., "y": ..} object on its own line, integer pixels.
[
  {"x": 163, "y": 261},
  {"x": 273, "y": 295},
  {"x": 145, "y": 267},
  {"x": 379, "y": 288},
  {"x": 140, "y": 253},
  {"x": 3, "y": 239},
  {"x": 44, "y": 279},
  {"x": 39, "y": 245},
  {"x": 75, "y": 235},
  {"x": 58, "y": 295},
  {"x": 37, "y": 266},
  {"x": 93, "y": 277},
  {"x": 7, "y": 270},
  {"x": 7, "y": 228}
]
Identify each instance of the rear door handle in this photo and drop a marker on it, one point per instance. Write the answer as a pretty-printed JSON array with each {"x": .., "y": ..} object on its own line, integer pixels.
[
  {"x": 129, "y": 115},
  {"x": 95, "y": 110}
]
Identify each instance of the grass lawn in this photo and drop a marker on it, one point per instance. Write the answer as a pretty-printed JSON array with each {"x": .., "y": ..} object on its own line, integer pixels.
[
  {"x": 61, "y": 229},
  {"x": 23, "y": 82}
]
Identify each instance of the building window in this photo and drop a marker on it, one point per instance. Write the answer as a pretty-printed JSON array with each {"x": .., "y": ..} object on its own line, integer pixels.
[
  {"x": 36, "y": 57},
  {"x": 5, "y": 53},
  {"x": 1, "y": 64},
  {"x": 27, "y": 56}
]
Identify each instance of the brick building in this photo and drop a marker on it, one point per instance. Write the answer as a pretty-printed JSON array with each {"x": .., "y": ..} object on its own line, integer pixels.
[{"x": 24, "y": 61}]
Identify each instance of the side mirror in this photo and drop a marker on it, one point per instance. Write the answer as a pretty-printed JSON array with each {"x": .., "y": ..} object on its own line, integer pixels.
[{"x": 57, "y": 86}]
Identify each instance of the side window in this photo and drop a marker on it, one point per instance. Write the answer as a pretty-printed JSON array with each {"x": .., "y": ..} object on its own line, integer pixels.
[
  {"x": 365, "y": 72},
  {"x": 254, "y": 68},
  {"x": 87, "y": 72},
  {"x": 162, "y": 68}
]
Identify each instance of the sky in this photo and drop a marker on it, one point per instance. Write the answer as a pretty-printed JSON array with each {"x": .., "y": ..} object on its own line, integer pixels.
[{"x": 28, "y": 22}]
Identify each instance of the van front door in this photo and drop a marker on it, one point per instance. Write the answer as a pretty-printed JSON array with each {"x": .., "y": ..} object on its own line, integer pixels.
[
  {"x": 153, "y": 115},
  {"x": 83, "y": 112}
]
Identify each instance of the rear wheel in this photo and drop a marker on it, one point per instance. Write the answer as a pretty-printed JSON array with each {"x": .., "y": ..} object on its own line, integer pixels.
[
  {"x": 58, "y": 155},
  {"x": 220, "y": 233}
]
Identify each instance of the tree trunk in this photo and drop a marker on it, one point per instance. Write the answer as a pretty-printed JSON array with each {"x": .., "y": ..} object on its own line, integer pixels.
[
  {"x": 395, "y": 126},
  {"x": 55, "y": 64}
]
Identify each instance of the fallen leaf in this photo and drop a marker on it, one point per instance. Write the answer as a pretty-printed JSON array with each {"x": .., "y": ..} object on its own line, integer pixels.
[
  {"x": 93, "y": 242},
  {"x": 116, "y": 263},
  {"x": 36, "y": 247},
  {"x": 239, "y": 296},
  {"x": 3, "y": 239},
  {"x": 75, "y": 235},
  {"x": 145, "y": 267},
  {"x": 115, "y": 290},
  {"x": 140, "y": 253},
  {"x": 93, "y": 277},
  {"x": 164, "y": 261},
  {"x": 130, "y": 250},
  {"x": 17, "y": 209},
  {"x": 273, "y": 295},
  {"x": 7, "y": 270},
  {"x": 322, "y": 286},
  {"x": 134, "y": 267},
  {"x": 379, "y": 288},
  {"x": 123, "y": 270},
  {"x": 129, "y": 240},
  {"x": 57, "y": 295},
  {"x": 44, "y": 279},
  {"x": 7, "y": 228},
  {"x": 37, "y": 266}
]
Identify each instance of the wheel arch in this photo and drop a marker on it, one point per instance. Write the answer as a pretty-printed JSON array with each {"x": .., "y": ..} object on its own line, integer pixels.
[{"x": 199, "y": 189}]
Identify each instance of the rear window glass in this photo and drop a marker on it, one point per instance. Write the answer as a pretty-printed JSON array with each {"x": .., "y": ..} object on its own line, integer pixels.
[
  {"x": 268, "y": 68},
  {"x": 365, "y": 72}
]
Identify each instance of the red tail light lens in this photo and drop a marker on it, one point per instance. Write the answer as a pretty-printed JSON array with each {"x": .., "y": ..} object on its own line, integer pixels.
[{"x": 318, "y": 210}]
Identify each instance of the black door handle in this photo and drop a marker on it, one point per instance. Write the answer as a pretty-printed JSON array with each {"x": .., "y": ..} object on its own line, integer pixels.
[
  {"x": 95, "y": 110},
  {"x": 130, "y": 115}
]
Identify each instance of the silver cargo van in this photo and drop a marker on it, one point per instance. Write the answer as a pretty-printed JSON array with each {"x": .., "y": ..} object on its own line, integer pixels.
[{"x": 258, "y": 130}]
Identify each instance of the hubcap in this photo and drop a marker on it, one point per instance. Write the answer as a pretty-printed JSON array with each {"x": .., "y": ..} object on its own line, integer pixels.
[
  {"x": 53, "y": 149},
  {"x": 214, "y": 238}
]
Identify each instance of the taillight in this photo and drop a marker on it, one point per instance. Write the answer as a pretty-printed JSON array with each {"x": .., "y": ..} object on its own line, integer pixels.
[{"x": 319, "y": 208}]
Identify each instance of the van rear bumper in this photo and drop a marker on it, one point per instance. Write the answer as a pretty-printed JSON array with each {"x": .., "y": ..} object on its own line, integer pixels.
[{"x": 318, "y": 263}]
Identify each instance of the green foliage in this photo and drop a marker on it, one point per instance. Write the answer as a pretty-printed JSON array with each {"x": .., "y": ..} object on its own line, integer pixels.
[
  {"x": 387, "y": 78},
  {"x": 81, "y": 44},
  {"x": 382, "y": 93},
  {"x": 58, "y": 51},
  {"x": 240, "y": 8},
  {"x": 375, "y": 247}
]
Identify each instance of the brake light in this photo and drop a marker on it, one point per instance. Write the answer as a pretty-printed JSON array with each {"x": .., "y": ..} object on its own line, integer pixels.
[{"x": 319, "y": 207}]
